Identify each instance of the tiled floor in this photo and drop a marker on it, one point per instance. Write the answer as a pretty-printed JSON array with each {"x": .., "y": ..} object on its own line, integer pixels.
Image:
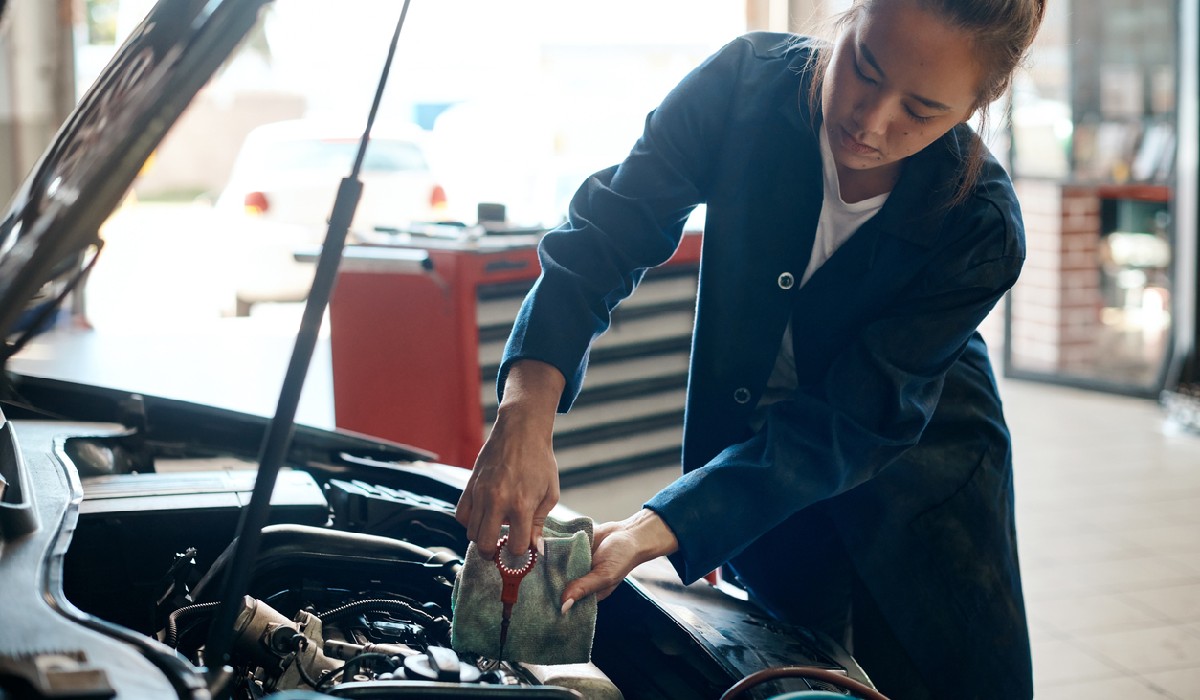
[{"x": 1108, "y": 494}]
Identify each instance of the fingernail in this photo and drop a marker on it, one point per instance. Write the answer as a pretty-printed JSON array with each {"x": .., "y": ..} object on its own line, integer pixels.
[
  {"x": 541, "y": 546},
  {"x": 567, "y": 606}
]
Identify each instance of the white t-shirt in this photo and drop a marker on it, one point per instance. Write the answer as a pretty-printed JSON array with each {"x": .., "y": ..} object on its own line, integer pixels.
[{"x": 839, "y": 220}]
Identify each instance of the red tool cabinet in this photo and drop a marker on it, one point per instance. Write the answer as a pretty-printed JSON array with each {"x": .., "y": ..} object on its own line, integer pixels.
[{"x": 417, "y": 332}]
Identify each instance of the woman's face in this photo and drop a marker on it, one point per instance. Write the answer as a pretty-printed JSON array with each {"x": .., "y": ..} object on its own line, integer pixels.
[{"x": 899, "y": 78}]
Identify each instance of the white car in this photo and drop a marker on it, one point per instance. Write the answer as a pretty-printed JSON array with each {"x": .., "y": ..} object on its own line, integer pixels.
[{"x": 281, "y": 192}]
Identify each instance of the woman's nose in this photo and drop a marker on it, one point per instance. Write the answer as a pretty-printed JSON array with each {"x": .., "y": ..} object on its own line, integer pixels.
[{"x": 873, "y": 115}]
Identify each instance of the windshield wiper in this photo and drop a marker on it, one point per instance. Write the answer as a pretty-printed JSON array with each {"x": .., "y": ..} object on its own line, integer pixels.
[{"x": 281, "y": 427}]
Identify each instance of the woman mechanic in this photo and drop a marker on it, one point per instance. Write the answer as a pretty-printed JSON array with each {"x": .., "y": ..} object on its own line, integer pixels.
[{"x": 845, "y": 453}]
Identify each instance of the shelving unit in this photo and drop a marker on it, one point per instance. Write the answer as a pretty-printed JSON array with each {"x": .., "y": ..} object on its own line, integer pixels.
[
  {"x": 1095, "y": 303},
  {"x": 1123, "y": 90},
  {"x": 417, "y": 345}
]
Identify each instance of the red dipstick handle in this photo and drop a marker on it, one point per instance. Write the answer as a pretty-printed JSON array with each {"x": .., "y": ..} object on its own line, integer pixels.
[{"x": 511, "y": 578}]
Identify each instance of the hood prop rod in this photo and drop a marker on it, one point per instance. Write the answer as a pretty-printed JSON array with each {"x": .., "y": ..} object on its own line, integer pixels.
[{"x": 279, "y": 432}]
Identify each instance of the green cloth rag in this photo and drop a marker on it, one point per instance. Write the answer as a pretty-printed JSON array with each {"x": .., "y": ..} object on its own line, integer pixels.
[{"x": 538, "y": 633}]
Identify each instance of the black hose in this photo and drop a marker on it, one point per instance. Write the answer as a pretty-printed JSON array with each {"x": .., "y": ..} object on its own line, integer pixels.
[
  {"x": 382, "y": 605},
  {"x": 304, "y": 674},
  {"x": 170, "y": 637}
]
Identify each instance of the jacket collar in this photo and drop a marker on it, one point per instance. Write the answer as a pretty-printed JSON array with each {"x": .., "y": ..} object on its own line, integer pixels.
[
  {"x": 918, "y": 205},
  {"x": 909, "y": 222}
]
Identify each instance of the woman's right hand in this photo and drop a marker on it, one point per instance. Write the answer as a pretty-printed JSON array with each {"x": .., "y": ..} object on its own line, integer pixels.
[
  {"x": 515, "y": 479},
  {"x": 617, "y": 549}
]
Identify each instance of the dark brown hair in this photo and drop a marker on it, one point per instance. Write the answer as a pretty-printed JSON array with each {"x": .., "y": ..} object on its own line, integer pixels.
[{"x": 1002, "y": 32}]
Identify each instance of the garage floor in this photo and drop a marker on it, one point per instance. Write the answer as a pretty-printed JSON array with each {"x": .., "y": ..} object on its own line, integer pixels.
[{"x": 1108, "y": 494}]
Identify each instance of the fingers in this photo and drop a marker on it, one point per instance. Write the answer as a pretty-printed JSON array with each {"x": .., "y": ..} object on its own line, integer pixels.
[
  {"x": 602, "y": 585},
  {"x": 617, "y": 548},
  {"x": 476, "y": 512},
  {"x": 514, "y": 482},
  {"x": 519, "y": 535},
  {"x": 462, "y": 512},
  {"x": 484, "y": 519},
  {"x": 596, "y": 582},
  {"x": 477, "y": 518},
  {"x": 466, "y": 503},
  {"x": 539, "y": 522},
  {"x": 611, "y": 563},
  {"x": 525, "y": 527},
  {"x": 487, "y": 533},
  {"x": 535, "y": 535},
  {"x": 600, "y": 532}
]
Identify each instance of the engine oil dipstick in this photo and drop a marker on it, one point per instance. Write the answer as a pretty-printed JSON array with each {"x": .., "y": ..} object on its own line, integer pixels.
[{"x": 512, "y": 571}]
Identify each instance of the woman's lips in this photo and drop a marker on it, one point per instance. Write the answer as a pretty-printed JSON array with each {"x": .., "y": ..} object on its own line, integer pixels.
[{"x": 855, "y": 146}]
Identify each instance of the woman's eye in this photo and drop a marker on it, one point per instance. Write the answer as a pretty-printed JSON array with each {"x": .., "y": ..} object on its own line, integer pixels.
[
  {"x": 917, "y": 117},
  {"x": 862, "y": 76}
]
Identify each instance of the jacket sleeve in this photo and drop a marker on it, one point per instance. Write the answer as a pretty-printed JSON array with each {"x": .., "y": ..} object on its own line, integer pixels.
[
  {"x": 622, "y": 221},
  {"x": 869, "y": 407}
]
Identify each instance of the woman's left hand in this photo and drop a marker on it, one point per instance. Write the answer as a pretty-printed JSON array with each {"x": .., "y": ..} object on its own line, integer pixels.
[{"x": 617, "y": 549}]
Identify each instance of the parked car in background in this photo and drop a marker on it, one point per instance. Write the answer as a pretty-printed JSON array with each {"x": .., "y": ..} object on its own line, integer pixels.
[{"x": 281, "y": 191}]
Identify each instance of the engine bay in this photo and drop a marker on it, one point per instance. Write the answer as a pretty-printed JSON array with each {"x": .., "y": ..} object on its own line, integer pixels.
[
  {"x": 116, "y": 567},
  {"x": 351, "y": 587}
]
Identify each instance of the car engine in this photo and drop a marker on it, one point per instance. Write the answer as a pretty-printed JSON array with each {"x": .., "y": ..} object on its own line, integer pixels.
[
  {"x": 114, "y": 571},
  {"x": 350, "y": 593}
]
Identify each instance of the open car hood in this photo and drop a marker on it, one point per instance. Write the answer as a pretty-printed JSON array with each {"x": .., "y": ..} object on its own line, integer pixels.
[{"x": 54, "y": 217}]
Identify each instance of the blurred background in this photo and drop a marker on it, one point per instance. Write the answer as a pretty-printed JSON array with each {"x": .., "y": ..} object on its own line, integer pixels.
[
  {"x": 513, "y": 105},
  {"x": 520, "y": 101}
]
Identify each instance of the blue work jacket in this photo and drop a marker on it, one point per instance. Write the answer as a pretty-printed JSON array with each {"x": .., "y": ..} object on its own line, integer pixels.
[{"x": 895, "y": 429}]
